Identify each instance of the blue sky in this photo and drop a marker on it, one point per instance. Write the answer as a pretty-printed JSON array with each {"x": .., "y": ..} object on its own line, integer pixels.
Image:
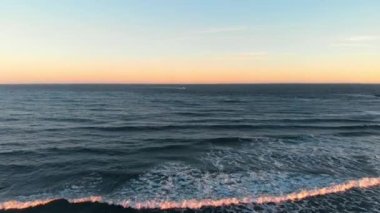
[{"x": 170, "y": 30}]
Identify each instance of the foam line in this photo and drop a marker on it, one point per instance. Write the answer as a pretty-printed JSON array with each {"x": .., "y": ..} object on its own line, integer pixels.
[{"x": 197, "y": 204}]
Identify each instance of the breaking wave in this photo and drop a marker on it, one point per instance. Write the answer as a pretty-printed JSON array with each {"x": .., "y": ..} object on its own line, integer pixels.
[{"x": 197, "y": 204}]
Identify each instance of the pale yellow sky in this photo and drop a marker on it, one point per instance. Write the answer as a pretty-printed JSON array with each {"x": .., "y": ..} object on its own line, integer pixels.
[
  {"x": 167, "y": 42},
  {"x": 214, "y": 70}
]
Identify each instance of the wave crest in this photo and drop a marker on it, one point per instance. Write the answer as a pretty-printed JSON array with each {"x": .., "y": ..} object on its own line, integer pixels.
[{"x": 197, "y": 204}]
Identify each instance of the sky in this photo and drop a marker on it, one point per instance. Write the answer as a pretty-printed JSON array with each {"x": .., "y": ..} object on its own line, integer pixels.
[{"x": 189, "y": 41}]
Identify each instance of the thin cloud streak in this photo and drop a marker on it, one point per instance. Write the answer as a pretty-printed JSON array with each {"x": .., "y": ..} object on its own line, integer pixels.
[
  {"x": 191, "y": 34},
  {"x": 242, "y": 56},
  {"x": 222, "y": 30},
  {"x": 362, "y": 38},
  {"x": 251, "y": 55},
  {"x": 357, "y": 41}
]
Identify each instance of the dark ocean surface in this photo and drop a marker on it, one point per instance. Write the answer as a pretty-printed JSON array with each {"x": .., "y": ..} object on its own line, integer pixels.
[{"x": 180, "y": 142}]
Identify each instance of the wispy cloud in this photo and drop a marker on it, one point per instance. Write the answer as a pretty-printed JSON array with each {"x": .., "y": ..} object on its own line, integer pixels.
[
  {"x": 222, "y": 30},
  {"x": 212, "y": 31},
  {"x": 251, "y": 55},
  {"x": 362, "y": 38},
  {"x": 244, "y": 56},
  {"x": 357, "y": 41}
]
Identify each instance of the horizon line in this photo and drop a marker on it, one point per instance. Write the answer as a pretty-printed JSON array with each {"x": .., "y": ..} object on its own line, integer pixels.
[{"x": 232, "y": 83}]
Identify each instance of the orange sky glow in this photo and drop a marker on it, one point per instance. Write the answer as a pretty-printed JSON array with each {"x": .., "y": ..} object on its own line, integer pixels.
[{"x": 166, "y": 42}]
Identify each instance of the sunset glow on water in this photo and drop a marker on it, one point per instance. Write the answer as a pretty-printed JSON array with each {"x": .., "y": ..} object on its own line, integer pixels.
[{"x": 197, "y": 204}]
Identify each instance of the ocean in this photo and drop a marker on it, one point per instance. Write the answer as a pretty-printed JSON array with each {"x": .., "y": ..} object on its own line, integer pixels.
[{"x": 203, "y": 148}]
